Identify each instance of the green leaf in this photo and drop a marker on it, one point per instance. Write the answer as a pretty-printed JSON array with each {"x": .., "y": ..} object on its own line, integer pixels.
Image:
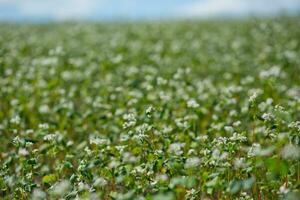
[
  {"x": 212, "y": 182},
  {"x": 164, "y": 196},
  {"x": 50, "y": 178},
  {"x": 234, "y": 187},
  {"x": 247, "y": 184},
  {"x": 188, "y": 182}
]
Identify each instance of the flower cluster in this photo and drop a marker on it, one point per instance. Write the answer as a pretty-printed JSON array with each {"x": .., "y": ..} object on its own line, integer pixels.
[{"x": 150, "y": 111}]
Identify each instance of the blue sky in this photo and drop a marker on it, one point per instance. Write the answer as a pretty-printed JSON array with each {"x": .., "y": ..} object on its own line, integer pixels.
[{"x": 57, "y": 10}]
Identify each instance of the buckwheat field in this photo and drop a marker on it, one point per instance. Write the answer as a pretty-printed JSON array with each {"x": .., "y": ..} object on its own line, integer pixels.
[{"x": 151, "y": 111}]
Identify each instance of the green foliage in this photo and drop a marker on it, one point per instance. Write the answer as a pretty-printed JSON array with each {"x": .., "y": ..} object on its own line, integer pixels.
[
  {"x": 171, "y": 110},
  {"x": 50, "y": 178}
]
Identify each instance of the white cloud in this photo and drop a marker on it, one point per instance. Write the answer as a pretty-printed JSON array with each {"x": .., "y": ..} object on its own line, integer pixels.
[
  {"x": 91, "y": 9},
  {"x": 212, "y": 8},
  {"x": 56, "y": 9}
]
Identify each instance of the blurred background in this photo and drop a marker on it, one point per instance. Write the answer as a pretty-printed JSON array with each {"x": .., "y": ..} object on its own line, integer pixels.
[{"x": 116, "y": 10}]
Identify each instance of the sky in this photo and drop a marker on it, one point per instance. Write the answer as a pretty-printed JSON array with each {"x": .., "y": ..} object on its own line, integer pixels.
[{"x": 60, "y": 10}]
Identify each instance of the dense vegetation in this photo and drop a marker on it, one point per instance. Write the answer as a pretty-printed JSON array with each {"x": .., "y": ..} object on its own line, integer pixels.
[{"x": 170, "y": 110}]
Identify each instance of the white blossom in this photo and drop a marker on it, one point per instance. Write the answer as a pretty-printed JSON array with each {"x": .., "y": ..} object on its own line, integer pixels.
[
  {"x": 176, "y": 148},
  {"x": 15, "y": 120},
  {"x": 192, "y": 103},
  {"x": 192, "y": 162}
]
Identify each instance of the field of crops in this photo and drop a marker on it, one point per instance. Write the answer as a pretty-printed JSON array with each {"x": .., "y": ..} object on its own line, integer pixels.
[{"x": 155, "y": 111}]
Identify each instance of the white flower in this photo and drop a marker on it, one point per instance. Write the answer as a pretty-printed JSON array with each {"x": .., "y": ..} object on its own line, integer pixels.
[
  {"x": 254, "y": 150},
  {"x": 167, "y": 129},
  {"x": 295, "y": 125},
  {"x": 83, "y": 186},
  {"x": 121, "y": 148},
  {"x": 269, "y": 101},
  {"x": 61, "y": 188},
  {"x": 161, "y": 177},
  {"x": 161, "y": 81},
  {"x": 113, "y": 164},
  {"x": 202, "y": 138},
  {"x": 229, "y": 129},
  {"x": 23, "y": 152},
  {"x": 192, "y": 104},
  {"x": 164, "y": 96},
  {"x": 191, "y": 194},
  {"x": 238, "y": 137},
  {"x": 129, "y": 158},
  {"x": 99, "y": 141},
  {"x": 237, "y": 123},
  {"x": 38, "y": 194},
  {"x": 50, "y": 137},
  {"x": 191, "y": 151},
  {"x": 233, "y": 113},
  {"x": 176, "y": 148},
  {"x": 100, "y": 182},
  {"x": 143, "y": 128},
  {"x": 17, "y": 140},
  {"x": 247, "y": 80},
  {"x": 216, "y": 154},
  {"x": 192, "y": 162},
  {"x": 224, "y": 155},
  {"x": 239, "y": 163},
  {"x": 14, "y": 102},
  {"x": 149, "y": 111},
  {"x": 283, "y": 189},
  {"x": 44, "y": 109},
  {"x": 28, "y": 131},
  {"x": 253, "y": 97},
  {"x": 267, "y": 116},
  {"x": 140, "y": 136},
  {"x": 130, "y": 120},
  {"x": 274, "y": 71},
  {"x": 15, "y": 120},
  {"x": 44, "y": 126},
  {"x": 88, "y": 151},
  {"x": 290, "y": 152},
  {"x": 181, "y": 123},
  {"x": 138, "y": 170}
]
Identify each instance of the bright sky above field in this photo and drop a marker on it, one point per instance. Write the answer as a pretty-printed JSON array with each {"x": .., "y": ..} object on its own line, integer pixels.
[{"x": 39, "y": 10}]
